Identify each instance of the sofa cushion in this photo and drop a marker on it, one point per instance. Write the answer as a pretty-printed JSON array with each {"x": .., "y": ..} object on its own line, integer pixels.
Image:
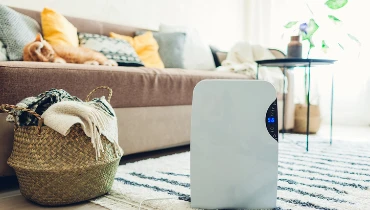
[
  {"x": 17, "y": 30},
  {"x": 116, "y": 49},
  {"x": 171, "y": 48},
  {"x": 87, "y": 25},
  {"x": 132, "y": 86}
]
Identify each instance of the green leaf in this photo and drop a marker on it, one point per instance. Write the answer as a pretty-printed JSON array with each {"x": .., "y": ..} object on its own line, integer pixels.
[
  {"x": 341, "y": 46},
  {"x": 324, "y": 46},
  {"x": 336, "y": 4},
  {"x": 335, "y": 19},
  {"x": 312, "y": 45},
  {"x": 354, "y": 39},
  {"x": 290, "y": 24},
  {"x": 312, "y": 28}
]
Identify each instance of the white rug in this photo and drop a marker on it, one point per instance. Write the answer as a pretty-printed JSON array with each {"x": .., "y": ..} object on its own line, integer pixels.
[{"x": 326, "y": 178}]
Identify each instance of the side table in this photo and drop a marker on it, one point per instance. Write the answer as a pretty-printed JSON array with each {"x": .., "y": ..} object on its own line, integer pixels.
[{"x": 300, "y": 62}]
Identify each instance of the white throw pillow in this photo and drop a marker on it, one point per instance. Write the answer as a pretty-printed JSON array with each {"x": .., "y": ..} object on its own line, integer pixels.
[{"x": 197, "y": 54}]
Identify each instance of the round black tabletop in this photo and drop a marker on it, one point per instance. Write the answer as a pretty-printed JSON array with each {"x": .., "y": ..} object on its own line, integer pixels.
[{"x": 294, "y": 62}]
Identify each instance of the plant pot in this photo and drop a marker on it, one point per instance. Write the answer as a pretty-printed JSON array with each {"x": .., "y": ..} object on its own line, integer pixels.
[
  {"x": 294, "y": 47},
  {"x": 300, "y": 118}
]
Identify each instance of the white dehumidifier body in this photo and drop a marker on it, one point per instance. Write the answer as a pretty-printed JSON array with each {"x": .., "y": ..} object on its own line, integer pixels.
[{"x": 234, "y": 145}]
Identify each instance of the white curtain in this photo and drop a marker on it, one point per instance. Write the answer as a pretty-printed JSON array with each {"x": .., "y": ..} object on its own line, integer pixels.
[
  {"x": 258, "y": 24},
  {"x": 264, "y": 25}
]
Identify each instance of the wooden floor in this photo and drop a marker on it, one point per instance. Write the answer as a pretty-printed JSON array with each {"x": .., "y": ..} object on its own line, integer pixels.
[{"x": 11, "y": 199}]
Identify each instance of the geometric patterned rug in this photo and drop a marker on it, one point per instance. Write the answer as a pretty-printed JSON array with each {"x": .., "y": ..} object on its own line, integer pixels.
[{"x": 327, "y": 178}]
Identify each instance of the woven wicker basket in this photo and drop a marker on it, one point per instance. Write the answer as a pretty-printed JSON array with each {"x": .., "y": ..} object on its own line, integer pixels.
[
  {"x": 53, "y": 169},
  {"x": 300, "y": 119}
]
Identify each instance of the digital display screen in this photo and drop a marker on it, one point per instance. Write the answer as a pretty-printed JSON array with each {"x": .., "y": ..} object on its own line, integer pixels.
[{"x": 271, "y": 119}]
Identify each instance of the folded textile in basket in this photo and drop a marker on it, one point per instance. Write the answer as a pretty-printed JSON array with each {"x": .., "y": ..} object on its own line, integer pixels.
[
  {"x": 39, "y": 104},
  {"x": 96, "y": 117}
]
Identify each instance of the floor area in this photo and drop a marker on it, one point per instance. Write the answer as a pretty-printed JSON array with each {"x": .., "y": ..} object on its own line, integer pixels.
[
  {"x": 347, "y": 133},
  {"x": 10, "y": 197}
]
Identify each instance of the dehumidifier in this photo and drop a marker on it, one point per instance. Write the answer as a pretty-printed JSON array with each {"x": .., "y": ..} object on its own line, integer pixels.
[{"x": 234, "y": 145}]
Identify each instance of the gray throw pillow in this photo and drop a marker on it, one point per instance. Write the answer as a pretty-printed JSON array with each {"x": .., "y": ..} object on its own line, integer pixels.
[
  {"x": 17, "y": 30},
  {"x": 116, "y": 49},
  {"x": 171, "y": 48},
  {"x": 3, "y": 54}
]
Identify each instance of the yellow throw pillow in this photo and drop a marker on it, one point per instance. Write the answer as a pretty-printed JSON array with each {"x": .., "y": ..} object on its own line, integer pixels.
[
  {"x": 129, "y": 39},
  {"x": 57, "y": 30},
  {"x": 146, "y": 48}
]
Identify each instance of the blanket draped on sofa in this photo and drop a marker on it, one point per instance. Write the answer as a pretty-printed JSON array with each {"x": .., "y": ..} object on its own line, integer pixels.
[{"x": 241, "y": 59}]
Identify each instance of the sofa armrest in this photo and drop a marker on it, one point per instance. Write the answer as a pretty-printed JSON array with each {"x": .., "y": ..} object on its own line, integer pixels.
[
  {"x": 221, "y": 55},
  {"x": 277, "y": 53},
  {"x": 289, "y": 101}
]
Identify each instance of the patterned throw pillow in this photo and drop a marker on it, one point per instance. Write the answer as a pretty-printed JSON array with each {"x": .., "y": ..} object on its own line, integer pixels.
[
  {"x": 116, "y": 49},
  {"x": 3, "y": 54},
  {"x": 17, "y": 30}
]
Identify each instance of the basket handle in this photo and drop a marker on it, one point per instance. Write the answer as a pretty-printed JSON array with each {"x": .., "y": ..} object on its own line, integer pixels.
[
  {"x": 101, "y": 87},
  {"x": 7, "y": 108}
]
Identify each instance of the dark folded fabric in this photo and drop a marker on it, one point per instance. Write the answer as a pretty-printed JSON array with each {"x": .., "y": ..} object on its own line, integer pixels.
[{"x": 40, "y": 104}]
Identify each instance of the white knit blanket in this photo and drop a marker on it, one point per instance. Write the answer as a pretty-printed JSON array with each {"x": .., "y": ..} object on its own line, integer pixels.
[
  {"x": 241, "y": 59},
  {"x": 93, "y": 120}
]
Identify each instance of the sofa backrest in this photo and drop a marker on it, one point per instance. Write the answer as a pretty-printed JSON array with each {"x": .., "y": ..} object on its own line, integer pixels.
[{"x": 87, "y": 26}]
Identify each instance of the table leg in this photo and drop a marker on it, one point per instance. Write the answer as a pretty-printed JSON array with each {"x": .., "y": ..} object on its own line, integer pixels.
[
  {"x": 258, "y": 66},
  {"x": 308, "y": 104},
  {"x": 283, "y": 117},
  {"x": 331, "y": 107}
]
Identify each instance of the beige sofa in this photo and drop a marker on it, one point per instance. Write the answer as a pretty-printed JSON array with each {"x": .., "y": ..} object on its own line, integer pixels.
[{"x": 153, "y": 105}]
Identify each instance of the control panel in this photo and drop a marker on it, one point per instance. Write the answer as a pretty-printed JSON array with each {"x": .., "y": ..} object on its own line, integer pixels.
[{"x": 272, "y": 120}]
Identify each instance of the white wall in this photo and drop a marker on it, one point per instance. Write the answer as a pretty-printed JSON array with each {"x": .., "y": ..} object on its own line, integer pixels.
[{"x": 219, "y": 22}]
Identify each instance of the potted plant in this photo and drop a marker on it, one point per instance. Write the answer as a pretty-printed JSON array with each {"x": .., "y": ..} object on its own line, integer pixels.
[
  {"x": 318, "y": 21},
  {"x": 306, "y": 30}
]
